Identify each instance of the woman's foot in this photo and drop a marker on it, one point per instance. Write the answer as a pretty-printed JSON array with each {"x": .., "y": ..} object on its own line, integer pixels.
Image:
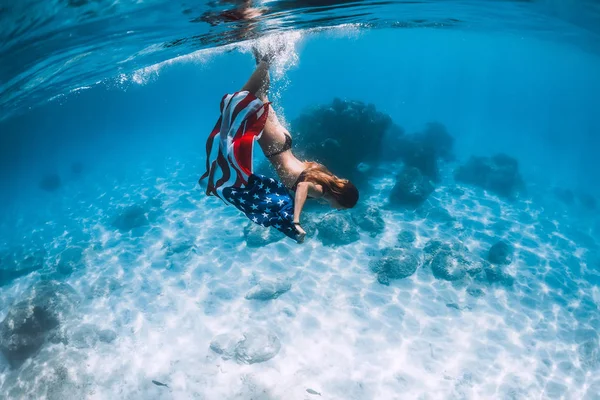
[
  {"x": 258, "y": 57},
  {"x": 256, "y": 54},
  {"x": 269, "y": 49}
]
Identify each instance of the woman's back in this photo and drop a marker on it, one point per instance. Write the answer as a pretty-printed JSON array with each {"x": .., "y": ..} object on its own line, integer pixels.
[{"x": 288, "y": 168}]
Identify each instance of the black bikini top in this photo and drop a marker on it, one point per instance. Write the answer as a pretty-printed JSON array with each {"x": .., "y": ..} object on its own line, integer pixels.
[{"x": 286, "y": 146}]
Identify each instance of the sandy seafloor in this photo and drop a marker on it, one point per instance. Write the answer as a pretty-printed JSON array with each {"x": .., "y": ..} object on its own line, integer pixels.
[{"x": 169, "y": 288}]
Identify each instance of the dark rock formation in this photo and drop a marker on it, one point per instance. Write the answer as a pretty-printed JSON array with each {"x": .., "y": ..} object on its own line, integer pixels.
[
  {"x": 412, "y": 188},
  {"x": 337, "y": 229},
  {"x": 406, "y": 239},
  {"x": 500, "y": 253},
  {"x": 341, "y": 135},
  {"x": 448, "y": 265},
  {"x": 43, "y": 308},
  {"x": 451, "y": 262},
  {"x": 423, "y": 150},
  {"x": 50, "y": 183},
  {"x": 130, "y": 218},
  {"x": 369, "y": 219},
  {"x": 138, "y": 216},
  {"x": 395, "y": 263},
  {"x": 587, "y": 201},
  {"x": 565, "y": 195},
  {"x": 498, "y": 174}
]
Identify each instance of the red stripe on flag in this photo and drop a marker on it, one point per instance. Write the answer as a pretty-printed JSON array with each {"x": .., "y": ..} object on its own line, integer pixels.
[
  {"x": 209, "y": 145},
  {"x": 249, "y": 98},
  {"x": 222, "y": 161}
]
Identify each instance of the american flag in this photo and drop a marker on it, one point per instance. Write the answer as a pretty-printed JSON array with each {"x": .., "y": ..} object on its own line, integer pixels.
[
  {"x": 230, "y": 147},
  {"x": 231, "y": 142},
  {"x": 265, "y": 202}
]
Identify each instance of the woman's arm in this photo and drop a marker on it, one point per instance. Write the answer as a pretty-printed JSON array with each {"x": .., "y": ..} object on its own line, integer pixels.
[
  {"x": 302, "y": 191},
  {"x": 300, "y": 199}
]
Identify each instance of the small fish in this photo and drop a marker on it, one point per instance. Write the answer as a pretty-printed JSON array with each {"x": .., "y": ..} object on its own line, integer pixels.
[
  {"x": 157, "y": 383},
  {"x": 310, "y": 391}
]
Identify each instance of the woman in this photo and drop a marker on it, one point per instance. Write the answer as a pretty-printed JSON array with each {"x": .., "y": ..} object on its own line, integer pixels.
[{"x": 247, "y": 115}]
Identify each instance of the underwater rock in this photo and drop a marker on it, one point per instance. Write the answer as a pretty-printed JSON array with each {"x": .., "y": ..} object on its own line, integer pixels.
[
  {"x": 431, "y": 248},
  {"x": 422, "y": 150},
  {"x": 323, "y": 134},
  {"x": 448, "y": 265},
  {"x": 336, "y": 229},
  {"x": 498, "y": 174},
  {"x": 258, "y": 346},
  {"x": 43, "y": 307},
  {"x": 436, "y": 137},
  {"x": 500, "y": 253},
  {"x": 130, "y": 218},
  {"x": 417, "y": 155},
  {"x": 258, "y": 236},
  {"x": 15, "y": 264},
  {"x": 451, "y": 261},
  {"x": 564, "y": 195},
  {"x": 369, "y": 219},
  {"x": 496, "y": 274},
  {"x": 411, "y": 189},
  {"x": 406, "y": 239},
  {"x": 254, "y": 345},
  {"x": 587, "y": 201},
  {"x": 50, "y": 182},
  {"x": 268, "y": 290},
  {"x": 225, "y": 344},
  {"x": 138, "y": 216},
  {"x": 395, "y": 263}
]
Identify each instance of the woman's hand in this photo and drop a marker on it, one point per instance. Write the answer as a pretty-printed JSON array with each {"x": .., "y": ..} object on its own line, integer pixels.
[{"x": 301, "y": 233}]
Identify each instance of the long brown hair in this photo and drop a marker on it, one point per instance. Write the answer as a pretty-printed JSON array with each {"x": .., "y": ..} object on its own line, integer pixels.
[{"x": 342, "y": 190}]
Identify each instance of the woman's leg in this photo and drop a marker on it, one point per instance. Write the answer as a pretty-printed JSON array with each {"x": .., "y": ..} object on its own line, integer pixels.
[
  {"x": 259, "y": 84},
  {"x": 273, "y": 136},
  {"x": 259, "y": 81}
]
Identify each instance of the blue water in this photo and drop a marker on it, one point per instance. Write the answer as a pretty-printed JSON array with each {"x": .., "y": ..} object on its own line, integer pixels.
[{"x": 118, "y": 274}]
